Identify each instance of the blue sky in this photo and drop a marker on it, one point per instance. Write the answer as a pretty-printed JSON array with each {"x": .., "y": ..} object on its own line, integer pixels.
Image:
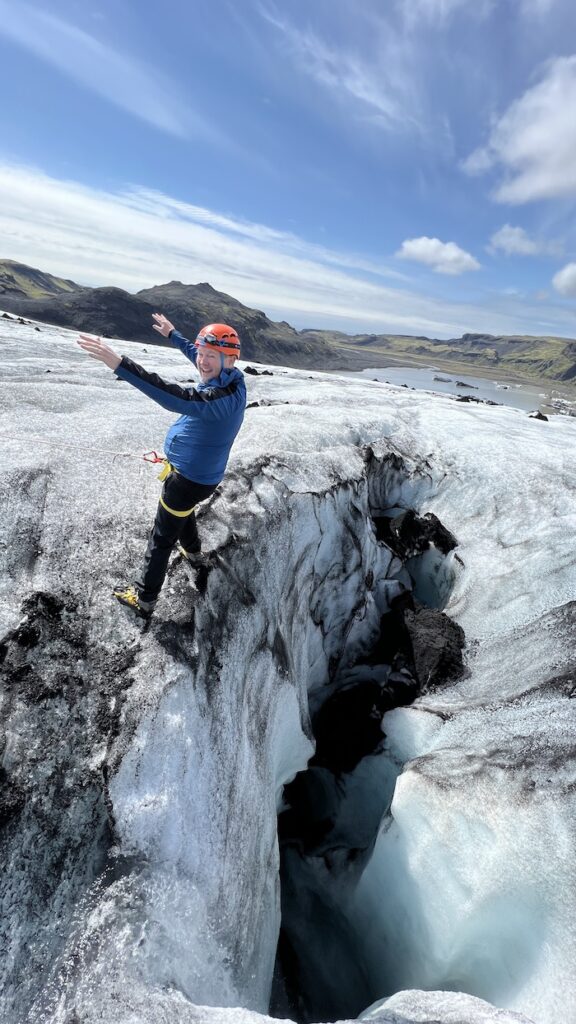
[{"x": 405, "y": 166}]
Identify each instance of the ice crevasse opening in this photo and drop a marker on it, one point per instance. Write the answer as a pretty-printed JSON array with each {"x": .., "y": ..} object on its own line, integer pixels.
[
  {"x": 161, "y": 856},
  {"x": 156, "y": 804},
  {"x": 291, "y": 605}
]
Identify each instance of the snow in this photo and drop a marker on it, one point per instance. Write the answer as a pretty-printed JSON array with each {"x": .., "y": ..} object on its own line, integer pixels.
[
  {"x": 412, "y": 1007},
  {"x": 141, "y": 865}
]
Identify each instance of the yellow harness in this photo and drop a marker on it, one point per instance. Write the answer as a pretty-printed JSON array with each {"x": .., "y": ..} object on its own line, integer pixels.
[{"x": 167, "y": 468}]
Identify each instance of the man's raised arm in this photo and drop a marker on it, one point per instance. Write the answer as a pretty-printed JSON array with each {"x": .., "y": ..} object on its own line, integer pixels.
[
  {"x": 167, "y": 330},
  {"x": 98, "y": 349}
]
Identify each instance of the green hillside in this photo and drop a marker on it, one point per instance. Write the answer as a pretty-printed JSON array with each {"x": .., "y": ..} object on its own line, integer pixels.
[
  {"x": 550, "y": 358},
  {"x": 20, "y": 281}
]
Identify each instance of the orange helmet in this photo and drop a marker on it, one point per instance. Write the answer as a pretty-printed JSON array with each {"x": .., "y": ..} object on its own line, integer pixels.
[{"x": 220, "y": 337}]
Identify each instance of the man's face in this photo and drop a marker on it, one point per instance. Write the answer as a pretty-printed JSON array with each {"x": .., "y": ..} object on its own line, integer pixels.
[{"x": 208, "y": 363}]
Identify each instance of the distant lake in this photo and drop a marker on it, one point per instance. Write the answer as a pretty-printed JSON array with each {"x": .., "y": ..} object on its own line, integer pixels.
[{"x": 527, "y": 397}]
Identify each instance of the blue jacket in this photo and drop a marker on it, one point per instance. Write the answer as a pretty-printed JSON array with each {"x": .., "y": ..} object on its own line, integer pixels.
[{"x": 198, "y": 443}]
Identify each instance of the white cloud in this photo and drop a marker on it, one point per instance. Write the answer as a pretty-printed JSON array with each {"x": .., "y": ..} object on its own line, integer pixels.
[
  {"x": 443, "y": 257},
  {"x": 116, "y": 76},
  {"x": 138, "y": 238},
  {"x": 514, "y": 241},
  {"x": 534, "y": 142},
  {"x": 565, "y": 280},
  {"x": 378, "y": 77}
]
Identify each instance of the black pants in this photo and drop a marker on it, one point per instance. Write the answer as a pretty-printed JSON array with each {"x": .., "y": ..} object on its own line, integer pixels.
[{"x": 175, "y": 520}]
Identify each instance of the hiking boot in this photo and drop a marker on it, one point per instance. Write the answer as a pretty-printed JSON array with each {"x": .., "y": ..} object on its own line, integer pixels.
[
  {"x": 131, "y": 598},
  {"x": 194, "y": 557}
]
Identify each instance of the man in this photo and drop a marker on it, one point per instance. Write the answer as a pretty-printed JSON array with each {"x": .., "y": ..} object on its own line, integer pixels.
[{"x": 197, "y": 445}]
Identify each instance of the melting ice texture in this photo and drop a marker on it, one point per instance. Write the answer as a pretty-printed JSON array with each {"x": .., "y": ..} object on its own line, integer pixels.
[{"x": 471, "y": 882}]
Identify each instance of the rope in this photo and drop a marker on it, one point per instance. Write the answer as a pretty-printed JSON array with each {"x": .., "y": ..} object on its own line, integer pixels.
[{"x": 83, "y": 448}]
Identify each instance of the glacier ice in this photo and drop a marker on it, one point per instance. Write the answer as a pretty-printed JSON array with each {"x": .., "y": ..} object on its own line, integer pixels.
[
  {"x": 416, "y": 1007},
  {"x": 142, "y": 771}
]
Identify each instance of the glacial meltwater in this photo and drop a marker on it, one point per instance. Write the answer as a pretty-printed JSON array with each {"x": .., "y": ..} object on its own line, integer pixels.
[{"x": 548, "y": 397}]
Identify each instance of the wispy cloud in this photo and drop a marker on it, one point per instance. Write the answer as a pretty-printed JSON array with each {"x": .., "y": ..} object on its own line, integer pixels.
[
  {"x": 534, "y": 142},
  {"x": 537, "y": 8},
  {"x": 378, "y": 76},
  {"x": 95, "y": 64},
  {"x": 159, "y": 205},
  {"x": 442, "y": 257},
  {"x": 137, "y": 238},
  {"x": 439, "y": 11}
]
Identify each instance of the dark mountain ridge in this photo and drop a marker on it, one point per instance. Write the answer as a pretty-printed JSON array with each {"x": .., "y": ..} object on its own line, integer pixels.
[{"x": 116, "y": 313}]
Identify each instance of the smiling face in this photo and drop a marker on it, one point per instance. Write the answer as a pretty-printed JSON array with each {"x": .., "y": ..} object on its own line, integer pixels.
[{"x": 209, "y": 362}]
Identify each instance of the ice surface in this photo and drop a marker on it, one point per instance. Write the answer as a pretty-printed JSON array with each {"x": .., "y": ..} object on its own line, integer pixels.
[
  {"x": 143, "y": 770},
  {"x": 429, "y": 1007}
]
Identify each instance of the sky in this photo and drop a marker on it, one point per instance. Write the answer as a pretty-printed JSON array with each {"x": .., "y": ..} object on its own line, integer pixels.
[{"x": 382, "y": 166}]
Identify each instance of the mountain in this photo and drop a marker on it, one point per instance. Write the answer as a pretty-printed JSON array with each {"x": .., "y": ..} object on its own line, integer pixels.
[
  {"x": 18, "y": 281},
  {"x": 192, "y": 306},
  {"x": 115, "y": 313},
  {"x": 110, "y": 312}
]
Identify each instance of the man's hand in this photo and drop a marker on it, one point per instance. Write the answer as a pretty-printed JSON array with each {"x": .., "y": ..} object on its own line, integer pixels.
[
  {"x": 98, "y": 349},
  {"x": 162, "y": 325}
]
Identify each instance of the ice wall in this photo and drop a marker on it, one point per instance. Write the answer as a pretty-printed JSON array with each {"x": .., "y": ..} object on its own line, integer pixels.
[
  {"x": 143, "y": 770},
  {"x": 470, "y": 885}
]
